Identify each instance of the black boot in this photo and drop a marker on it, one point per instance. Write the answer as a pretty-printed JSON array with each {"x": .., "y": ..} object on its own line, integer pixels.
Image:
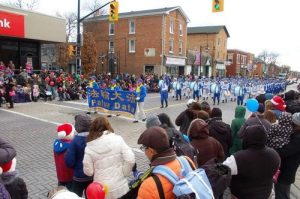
[
  {"x": 162, "y": 104},
  {"x": 166, "y": 104}
]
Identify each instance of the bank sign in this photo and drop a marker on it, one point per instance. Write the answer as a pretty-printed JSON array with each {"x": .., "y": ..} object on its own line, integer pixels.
[{"x": 11, "y": 25}]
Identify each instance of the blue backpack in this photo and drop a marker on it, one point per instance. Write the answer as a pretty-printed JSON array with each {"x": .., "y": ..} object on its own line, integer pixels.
[{"x": 194, "y": 184}]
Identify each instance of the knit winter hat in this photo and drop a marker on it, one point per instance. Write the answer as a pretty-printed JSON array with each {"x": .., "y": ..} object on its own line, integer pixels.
[
  {"x": 82, "y": 123},
  {"x": 296, "y": 119},
  {"x": 152, "y": 121},
  {"x": 278, "y": 103},
  {"x": 156, "y": 138},
  {"x": 65, "y": 131}
]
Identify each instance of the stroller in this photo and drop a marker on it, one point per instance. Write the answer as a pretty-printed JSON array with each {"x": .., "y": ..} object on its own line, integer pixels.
[{"x": 45, "y": 94}]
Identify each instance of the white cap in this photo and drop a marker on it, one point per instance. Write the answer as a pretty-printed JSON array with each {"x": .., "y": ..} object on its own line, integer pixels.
[{"x": 190, "y": 101}]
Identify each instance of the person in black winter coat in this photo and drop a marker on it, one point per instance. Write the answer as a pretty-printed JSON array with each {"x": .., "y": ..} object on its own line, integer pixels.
[
  {"x": 254, "y": 166},
  {"x": 185, "y": 118},
  {"x": 9, "y": 87},
  {"x": 220, "y": 130},
  {"x": 290, "y": 161}
]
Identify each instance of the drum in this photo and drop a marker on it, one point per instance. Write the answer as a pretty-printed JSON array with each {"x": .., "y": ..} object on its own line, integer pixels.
[{"x": 227, "y": 93}]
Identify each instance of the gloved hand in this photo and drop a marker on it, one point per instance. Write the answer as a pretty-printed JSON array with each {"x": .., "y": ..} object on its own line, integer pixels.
[{"x": 134, "y": 168}]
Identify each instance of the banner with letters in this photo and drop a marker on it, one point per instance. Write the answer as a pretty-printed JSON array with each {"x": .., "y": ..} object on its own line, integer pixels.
[{"x": 112, "y": 100}]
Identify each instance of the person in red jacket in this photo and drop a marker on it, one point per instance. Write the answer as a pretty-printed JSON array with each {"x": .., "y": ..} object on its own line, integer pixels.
[{"x": 65, "y": 135}]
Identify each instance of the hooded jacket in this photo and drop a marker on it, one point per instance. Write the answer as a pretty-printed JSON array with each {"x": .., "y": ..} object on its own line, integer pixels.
[
  {"x": 206, "y": 146},
  {"x": 279, "y": 134},
  {"x": 221, "y": 132},
  {"x": 236, "y": 124},
  {"x": 3, "y": 192},
  {"x": 256, "y": 164},
  {"x": 109, "y": 159}
]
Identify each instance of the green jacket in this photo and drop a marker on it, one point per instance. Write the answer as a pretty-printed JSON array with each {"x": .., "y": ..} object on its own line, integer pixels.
[{"x": 236, "y": 124}]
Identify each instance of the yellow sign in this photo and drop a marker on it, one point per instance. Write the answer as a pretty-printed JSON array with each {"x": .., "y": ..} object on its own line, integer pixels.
[
  {"x": 217, "y": 5},
  {"x": 113, "y": 11}
]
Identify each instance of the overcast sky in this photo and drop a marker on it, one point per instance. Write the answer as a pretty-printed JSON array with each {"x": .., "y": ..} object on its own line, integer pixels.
[{"x": 253, "y": 25}]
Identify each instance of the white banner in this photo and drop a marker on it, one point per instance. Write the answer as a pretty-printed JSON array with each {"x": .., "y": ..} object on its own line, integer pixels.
[{"x": 175, "y": 61}]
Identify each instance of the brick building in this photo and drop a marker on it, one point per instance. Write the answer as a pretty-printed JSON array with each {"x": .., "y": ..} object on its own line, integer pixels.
[
  {"x": 241, "y": 63},
  {"x": 259, "y": 67},
  {"x": 211, "y": 42},
  {"x": 149, "y": 41}
]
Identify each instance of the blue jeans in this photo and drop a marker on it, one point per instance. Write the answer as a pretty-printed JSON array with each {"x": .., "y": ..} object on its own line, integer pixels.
[
  {"x": 178, "y": 93},
  {"x": 196, "y": 94},
  {"x": 240, "y": 100},
  {"x": 216, "y": 96}
]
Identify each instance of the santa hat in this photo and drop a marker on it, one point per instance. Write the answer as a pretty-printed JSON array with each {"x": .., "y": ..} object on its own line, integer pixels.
[
  {"x": 65, "y": 131},
  {"x": 9, "y": 166},
  {"x": 278, "y": 103}
]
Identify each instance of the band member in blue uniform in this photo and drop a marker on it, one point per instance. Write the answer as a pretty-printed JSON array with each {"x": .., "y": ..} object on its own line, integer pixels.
[
  {"x": 141, "y": 94},
  {"x": 163, "y": 87},
  {"x": 177, "y": 86},
  {"x": 216, "y": 90}
]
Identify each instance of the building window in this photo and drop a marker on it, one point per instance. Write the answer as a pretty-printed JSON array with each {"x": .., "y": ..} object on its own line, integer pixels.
[
  {"x": 230, "y": 57},
  {"x": 131, "y": 27},
  {"x": 172, "y": 27},
  {"x": 180, "y": 47},
  {"x": 131, "y": 46},
  {"x": 238, "y": 59},
  {"x": 111, "y": 46},
  {"x": 171, "y": 46},
  {"x": 180, "y": 30},
  {"x": 111, "y": 29}
]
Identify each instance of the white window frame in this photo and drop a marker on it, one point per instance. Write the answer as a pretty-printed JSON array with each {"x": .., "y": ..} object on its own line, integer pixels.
[
  {"x": 130, "y": 50},
  {"x": 230, "y": 57},
  {"x": 172, "y": 27},
  {"x": 180, "y": 50},
  {"x": 111, "y": 48},
  {"x": 180, "y": 30},
  {"x": 130, "y": 30},
  {"x": 110, "y": 28},
  {"x": 171, "y": 41},
  {"x": 238, "y": 58}
]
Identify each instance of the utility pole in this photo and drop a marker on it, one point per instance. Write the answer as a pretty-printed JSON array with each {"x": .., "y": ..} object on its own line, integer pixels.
[{"x": 78, "y": 42}]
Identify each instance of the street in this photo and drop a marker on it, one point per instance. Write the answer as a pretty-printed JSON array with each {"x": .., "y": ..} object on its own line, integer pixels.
[{"x": 31, "y": 128}]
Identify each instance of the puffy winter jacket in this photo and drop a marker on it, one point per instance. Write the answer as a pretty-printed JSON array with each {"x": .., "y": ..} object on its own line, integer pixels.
[
  {"x": 109, "y": 159},
  {"x": 236, "y": 124}
]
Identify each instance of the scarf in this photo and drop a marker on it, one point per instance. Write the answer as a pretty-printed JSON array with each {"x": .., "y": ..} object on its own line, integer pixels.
[{"x": 163, "y": 157}]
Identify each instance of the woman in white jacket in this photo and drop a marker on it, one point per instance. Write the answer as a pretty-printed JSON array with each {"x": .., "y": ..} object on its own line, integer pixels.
[{"x": 108, "y": 158}]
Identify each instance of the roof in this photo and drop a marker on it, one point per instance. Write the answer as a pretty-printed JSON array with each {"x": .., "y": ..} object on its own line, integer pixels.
[
  {"x": 207, "y": 30},
  {"x": 159, "y": 11}
]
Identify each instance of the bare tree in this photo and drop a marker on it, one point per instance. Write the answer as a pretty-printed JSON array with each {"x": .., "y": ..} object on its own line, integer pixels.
[
  {"x": 71, "y": 25},
  {"x": 62, "y": 54},
  {"x": 269, "y": 58},
  {"x": 89, "y": 53},
  {"x": 24, "y": 4},
  {"x": 93, "y": 5}
]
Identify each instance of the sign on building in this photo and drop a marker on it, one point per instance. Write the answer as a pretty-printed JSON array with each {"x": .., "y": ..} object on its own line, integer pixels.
[{"x": 149, "y": 52}]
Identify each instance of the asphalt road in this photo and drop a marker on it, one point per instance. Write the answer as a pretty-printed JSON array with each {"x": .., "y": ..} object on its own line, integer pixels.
[{"x": 31, "y": 128}]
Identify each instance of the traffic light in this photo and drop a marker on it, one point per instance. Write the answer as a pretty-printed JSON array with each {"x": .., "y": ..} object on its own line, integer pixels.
[
  {"x": 71, "y": 51},
  {"x": 113, "y": 11},
  {"x": 217, "y": 5}
]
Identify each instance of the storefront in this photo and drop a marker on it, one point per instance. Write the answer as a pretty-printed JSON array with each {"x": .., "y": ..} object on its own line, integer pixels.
[
  {"x": 22, "y": 32},
  {"x": 175, "y": 65}
]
